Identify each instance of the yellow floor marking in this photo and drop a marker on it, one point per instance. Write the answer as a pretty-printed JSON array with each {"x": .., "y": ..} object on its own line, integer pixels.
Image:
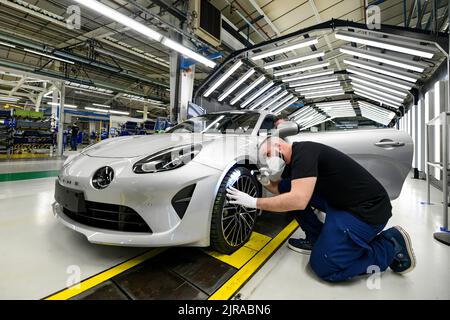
[
  {"x": 103, "y": 276},
  {"x": 239, "y": 278},
  {"x": 257, "y": 241},
  {"x": 241, "y": 256},
  {"x": 237, "y": 259}
]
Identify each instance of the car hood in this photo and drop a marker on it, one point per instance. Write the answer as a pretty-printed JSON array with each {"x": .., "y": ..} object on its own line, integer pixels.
[{"x": 136, "y": 146}]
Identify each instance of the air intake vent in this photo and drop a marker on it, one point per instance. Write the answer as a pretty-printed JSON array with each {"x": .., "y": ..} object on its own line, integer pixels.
[{"x": 181, "y": 200}]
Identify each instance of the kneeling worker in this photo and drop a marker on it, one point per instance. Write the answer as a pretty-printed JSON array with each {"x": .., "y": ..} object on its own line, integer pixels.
[{"x": 357, "y": 209}]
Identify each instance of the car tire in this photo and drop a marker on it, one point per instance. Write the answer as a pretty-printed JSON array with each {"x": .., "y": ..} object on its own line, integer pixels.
[{"x": 232, "y": 225}]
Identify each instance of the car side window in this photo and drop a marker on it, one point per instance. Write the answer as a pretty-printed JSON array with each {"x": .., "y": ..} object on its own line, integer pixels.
[{"x": 268, "y": 124}]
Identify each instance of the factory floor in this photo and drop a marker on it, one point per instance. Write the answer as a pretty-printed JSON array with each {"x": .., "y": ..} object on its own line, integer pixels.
[{"x": 39, "y": 256}]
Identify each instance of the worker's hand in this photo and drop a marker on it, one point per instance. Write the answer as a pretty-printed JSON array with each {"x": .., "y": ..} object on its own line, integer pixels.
[{"x": 240, "y": 198}]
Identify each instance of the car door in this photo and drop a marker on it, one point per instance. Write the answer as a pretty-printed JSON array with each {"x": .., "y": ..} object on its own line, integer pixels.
[{"x": 386, "y": 153}]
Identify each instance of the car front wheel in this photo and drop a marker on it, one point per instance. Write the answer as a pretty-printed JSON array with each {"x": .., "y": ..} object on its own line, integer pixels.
[{"x": 231, "y": 224}]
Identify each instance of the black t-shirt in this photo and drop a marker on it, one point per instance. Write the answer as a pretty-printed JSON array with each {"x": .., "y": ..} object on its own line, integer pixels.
[
  {"x": 75, "y": 130},
  {"x": 341, "y": 181}
]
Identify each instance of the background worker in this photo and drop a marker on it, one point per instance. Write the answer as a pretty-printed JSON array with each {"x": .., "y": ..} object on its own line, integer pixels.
[
  {"x": 74, "y": 136},
  {"x": 357, "y": 209}
]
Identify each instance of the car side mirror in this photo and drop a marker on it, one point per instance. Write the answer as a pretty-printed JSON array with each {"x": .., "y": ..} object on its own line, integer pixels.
[{"x": 287, "y": 128}]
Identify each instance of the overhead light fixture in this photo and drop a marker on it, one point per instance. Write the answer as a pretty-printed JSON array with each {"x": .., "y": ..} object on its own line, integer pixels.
[
  {"x": 281, "y": 102},
  {"x": 96, "y": 109},
  {"x": 390, "y": 71},
  {"x": 329, "y": 90},
  {"x": 325, "y": 94},
  {"x": 65, "y": 105},
  {"x": 266, "y": 87},
  {"x": 101, "y": 105},
  {"x": 313, "y": 81},
  {"x": 222, "y": 79},
  {"x": 386, "y": 43},
  {"x": 48, "y": 56},
  {"x": 322, "y": 86},
  {"x": 300, "y": 111},
  {"x": 285, "y": 106},
  {"x": 333, "y": 103},
  {"x": 244, "y": 92},
  {"x": 378, "y": 77},
  {"x": 384, "y": 58},
  {"x": 235, "y": 85},
  {"x": 284, "y": 62},
  {"x": 48, "y": 94},
  {"x": 265, "y": 98},
  {"x": 273, "y": 100},
  {"x": 119, "y": 112},
  {"x": 285, "y": 48},
  {"x": 376, "y": 92},
  {"x": 7, "y": 98},
  {"x": 308, "y": 75},
  {"x": 305, "y": 114},
  {"x": 301, "y": 68},
  {"x": 115, "y": 55},
  {"x": 7, "y": 44},
  {"x": 389, "y": 102},
  {"x": 378, "y": 86},
  {"x": 142, "y": 29}
]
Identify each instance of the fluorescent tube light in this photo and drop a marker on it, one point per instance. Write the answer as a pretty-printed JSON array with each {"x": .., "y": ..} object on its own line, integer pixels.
[
  {"x": 286, "y": 105},
  {"x": 303, "y": 76},
  {"x": 331, "y": 90},
  {"x": 6, "y": 98},
  {"x": 235, "y": 85},
  {"x": 244, "y": 92},
  {"x": 388, "y": 80},
  {"x": 96, "y": 109},
  {"x": 48, "y": 56},
  {"x": 284, "y": 62},
  {"x": 265, "y": 98},
  {"x": 322, "y": 86},
  {"x": 378, "y": 86},
  {"x": 376, "y": 92},
  {"x": 285, "y": 48},
  {"x": 283, "y": 72},
  {"x": 394, "y": 104},
  {"x": 325, "y": 94},
  {"x": 283, "y": 101},
  {"x": 313, "y": 81},
  {"x": 257, "y": 94},
  {"x": 384, "y": 58},
  {"x": 274, "y": 99},
  {"x": 101, "y": 105},
  {"x": 7, "y": 44},
  {"x": 390, "y": 71},
  {"x": 65, "y": 105},
  {"x": 119, "y": 112},
  {"x": 188, "y": 52},
  {"x": 139, "y": 27},
  {"x": 333, "y": 103},
  {"x": 222, "y": 79},
  {"x": 385, "y": 43}
]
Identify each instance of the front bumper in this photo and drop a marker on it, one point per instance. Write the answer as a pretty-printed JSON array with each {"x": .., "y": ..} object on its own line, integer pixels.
[{"x": 150, "y": 196}]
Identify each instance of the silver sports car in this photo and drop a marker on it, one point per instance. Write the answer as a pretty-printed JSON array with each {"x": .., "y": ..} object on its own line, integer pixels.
[{"x": 169, "y": 189}]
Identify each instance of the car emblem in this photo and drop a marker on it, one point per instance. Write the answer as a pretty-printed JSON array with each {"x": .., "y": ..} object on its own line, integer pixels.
[{"x": 103, "y": 177}]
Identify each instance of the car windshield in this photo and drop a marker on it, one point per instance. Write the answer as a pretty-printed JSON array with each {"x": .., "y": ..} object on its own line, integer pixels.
[{"x": 237, "y": 123}]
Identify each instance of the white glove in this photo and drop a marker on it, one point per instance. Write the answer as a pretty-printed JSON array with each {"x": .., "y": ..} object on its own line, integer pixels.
[{"x": 240, "y": 198}]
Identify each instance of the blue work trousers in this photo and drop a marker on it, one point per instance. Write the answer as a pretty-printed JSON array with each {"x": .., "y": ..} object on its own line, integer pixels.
[{"x": 344, "y": 246}]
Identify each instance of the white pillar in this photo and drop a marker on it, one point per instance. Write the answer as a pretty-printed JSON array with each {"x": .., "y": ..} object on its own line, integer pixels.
[
  {"x": 145, "y": 113},
  {"x": 186, "y": 91}
]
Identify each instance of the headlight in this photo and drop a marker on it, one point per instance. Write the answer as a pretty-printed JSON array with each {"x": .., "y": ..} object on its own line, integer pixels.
[{"x": 167, "y": 159}]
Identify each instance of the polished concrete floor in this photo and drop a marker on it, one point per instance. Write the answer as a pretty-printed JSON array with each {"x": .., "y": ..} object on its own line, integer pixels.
[
  {"x": 287, "y": 274},
  {"x": 39, "y": 256}
]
